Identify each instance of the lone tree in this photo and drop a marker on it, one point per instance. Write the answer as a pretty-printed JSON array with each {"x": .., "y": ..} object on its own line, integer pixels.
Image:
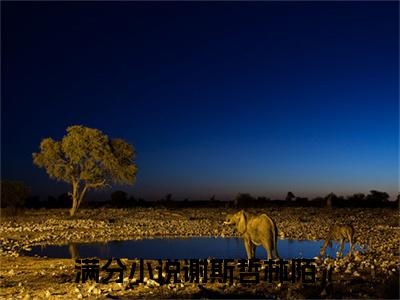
[
  {"x": 329, "y": 200},
  {"x": 87, "y": 159},
  {"x": 290, "y": 196}
]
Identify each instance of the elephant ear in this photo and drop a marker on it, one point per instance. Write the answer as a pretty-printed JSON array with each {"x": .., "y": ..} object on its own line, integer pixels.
[{"x": 242, "y": 224}]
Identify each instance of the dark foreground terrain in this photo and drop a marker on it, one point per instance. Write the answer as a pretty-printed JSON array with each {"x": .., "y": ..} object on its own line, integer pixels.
[{"x": 370, "y": 274}]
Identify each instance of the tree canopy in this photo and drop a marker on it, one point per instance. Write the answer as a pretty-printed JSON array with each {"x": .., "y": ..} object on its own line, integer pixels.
[{"x": 87, "y": 159}]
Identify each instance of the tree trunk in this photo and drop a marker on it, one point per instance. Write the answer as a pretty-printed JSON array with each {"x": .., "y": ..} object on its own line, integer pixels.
[
  {"x": 75, "y": 198},
  {"x": 73, "y": 251},
  {"x": 74, "y": 208},
  {"x": 82, "y": 194}
]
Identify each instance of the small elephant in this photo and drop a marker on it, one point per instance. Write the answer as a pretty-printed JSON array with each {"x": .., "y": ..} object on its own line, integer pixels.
[
  {"x": 338, "y": 233},
  {"x": 255, "y": 231}
]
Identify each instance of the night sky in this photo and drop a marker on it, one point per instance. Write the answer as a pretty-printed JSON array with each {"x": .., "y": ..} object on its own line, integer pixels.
[{"x": 217, "y": 98}]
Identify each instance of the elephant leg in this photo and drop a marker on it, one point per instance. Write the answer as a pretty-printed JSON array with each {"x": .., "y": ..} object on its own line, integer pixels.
[
  {"x": 248, "y": 246},
  {"x": 351, "y": 244},
  {"x": 322, "y": 252},
  {"x": 341, "y": 248},
  {"x": 253, "y": 251},
  {"x": 267, "y": 247},
  {"x": 276, "y": 250}
]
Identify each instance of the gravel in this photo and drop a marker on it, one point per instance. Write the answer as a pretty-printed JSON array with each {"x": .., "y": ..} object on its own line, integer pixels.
[{"x": 378, "y": 229}]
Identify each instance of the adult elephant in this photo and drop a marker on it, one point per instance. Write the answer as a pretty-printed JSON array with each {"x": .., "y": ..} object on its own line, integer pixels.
[{"x": 255, "y": 231}]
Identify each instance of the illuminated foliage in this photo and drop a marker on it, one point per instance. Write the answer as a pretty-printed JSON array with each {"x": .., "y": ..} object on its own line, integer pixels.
[{"x": 87, "y": 159}]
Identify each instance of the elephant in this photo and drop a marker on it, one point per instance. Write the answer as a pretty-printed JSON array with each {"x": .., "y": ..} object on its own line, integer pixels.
[
  {"x": 338, "y": 233},
  {"x": 255, "y": 231}
]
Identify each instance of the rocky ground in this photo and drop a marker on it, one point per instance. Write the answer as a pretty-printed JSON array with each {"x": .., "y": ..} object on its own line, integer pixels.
[{"x": 373, "y": 274}]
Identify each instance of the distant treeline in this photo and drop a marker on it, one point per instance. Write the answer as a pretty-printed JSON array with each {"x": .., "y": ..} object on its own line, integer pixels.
[{"x": 16, "y": 195}]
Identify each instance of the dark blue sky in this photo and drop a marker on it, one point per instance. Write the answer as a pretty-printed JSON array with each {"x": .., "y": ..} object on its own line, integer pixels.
[{"x": 217, "y": 98}]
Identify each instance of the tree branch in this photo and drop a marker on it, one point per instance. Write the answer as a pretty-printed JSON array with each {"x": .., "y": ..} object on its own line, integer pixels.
[
  {"x": 95, "y": 185},
  {"x": 82, "y": 194}
]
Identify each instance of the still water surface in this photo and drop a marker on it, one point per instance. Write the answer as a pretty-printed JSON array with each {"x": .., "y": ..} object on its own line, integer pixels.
[{"x": 178, "y": 248}]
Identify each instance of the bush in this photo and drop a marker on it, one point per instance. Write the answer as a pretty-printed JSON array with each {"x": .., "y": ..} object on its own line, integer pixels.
[{"x": 13, "y": 195}]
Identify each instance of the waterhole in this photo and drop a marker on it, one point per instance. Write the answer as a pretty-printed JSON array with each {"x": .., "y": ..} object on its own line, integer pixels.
[{"x": 183, "y": 248}]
